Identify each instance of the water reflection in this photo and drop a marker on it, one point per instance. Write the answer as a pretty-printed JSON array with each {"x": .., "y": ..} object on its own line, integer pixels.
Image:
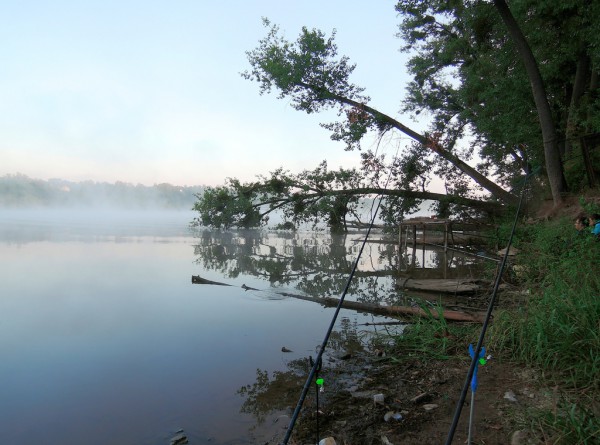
[
  {"x": 105, "y": 341},
  {"x": 316, "y": 264},
  {"x": 279, "y": 391},
  {"x": 319, "y": 264}
]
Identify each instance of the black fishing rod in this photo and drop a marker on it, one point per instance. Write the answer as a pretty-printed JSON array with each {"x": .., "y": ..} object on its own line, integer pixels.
[
  {"x": 317, "y": 361},
  {"x": 477, "y": 350}
]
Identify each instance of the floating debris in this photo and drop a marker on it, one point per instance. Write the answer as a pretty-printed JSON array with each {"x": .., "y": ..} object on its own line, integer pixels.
[{"x": 179, "y": 439}]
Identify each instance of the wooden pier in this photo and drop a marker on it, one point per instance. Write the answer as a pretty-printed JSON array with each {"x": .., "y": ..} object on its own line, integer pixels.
[
  {"x": 441, "y": 235},
  {"x": 444, "y": 232}
]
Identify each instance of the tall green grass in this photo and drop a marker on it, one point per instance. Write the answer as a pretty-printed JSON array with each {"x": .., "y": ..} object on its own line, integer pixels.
[
  {"x": 557, "y": 328},
  {"x": 432, "y": 336}
]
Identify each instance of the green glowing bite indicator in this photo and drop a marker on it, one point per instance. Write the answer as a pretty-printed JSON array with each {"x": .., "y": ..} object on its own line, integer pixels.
[{"x": 320, "y": 385}]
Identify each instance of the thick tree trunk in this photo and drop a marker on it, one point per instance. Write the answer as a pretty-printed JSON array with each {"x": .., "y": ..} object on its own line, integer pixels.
[
  {"x": 434, "y": 146},
  {"x": 551, "y": 152},
  {"x": 491, "y": 207}
]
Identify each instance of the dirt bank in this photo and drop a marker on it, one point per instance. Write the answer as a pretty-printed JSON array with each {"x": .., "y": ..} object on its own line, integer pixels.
[{"x": 420, "y": 399}]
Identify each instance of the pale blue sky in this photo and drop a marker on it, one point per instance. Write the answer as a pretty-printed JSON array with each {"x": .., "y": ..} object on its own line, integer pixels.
[{"x": 150, "y": 91}]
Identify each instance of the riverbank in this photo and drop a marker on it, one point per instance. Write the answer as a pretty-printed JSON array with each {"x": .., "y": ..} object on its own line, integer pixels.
[
  {"x": 419, "y": 404},
  {"x": 539, "y": 387}
]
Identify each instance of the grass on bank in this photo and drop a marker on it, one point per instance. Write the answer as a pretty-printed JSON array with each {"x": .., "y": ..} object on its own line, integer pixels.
[
  {"x": 557, "y": 329},
  {"x": 432, "y": 337}
]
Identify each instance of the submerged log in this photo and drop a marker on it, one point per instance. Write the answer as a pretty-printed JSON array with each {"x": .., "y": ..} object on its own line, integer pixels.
[
  {"x": 197, "y": 279},
  {"x": 475, "y": 317}
]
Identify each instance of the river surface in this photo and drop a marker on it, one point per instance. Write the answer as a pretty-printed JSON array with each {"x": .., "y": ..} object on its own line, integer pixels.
[{"x": 104, "y": 339}]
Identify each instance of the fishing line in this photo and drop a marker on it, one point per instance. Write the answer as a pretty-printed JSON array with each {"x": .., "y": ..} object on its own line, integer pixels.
[
  {"x": 318, "y": 359},
  {"x": 477, "y": 350}
]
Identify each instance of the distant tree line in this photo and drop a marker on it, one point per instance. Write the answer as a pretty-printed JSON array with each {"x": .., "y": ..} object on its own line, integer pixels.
[{"x": 18, "y": 191}]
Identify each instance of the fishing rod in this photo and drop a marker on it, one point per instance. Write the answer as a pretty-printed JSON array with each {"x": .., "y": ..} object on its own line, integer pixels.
[
  {"x": 318, "y": 359},
  {"x": 478, "y": 348}
]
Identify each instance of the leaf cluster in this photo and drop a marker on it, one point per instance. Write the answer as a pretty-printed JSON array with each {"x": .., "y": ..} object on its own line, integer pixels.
[
  {"x": 307, "y": 71},
  {"x": 468, "y": 76},
  {"x": 312, "y": 196}
]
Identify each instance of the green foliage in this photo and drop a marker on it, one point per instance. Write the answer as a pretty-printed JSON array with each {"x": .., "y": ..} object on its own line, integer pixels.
[
  {"x": 589, "y": 206},
  {"x": 575, "y": 424},
  {"x": 307, "y": 71},
  {"x": 220, "y": 208},
  {"x": 558, "y": 328},
  {"x": 317, "y": 197},
  {"x": 468, "y": 75}
]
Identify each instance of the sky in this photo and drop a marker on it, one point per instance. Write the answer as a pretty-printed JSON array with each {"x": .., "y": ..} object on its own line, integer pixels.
[{"x": 150, "y": 91}]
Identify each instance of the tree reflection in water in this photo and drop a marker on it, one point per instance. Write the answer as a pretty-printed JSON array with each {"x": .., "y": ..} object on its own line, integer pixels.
[
  {"x": 276, "y": 393},
  {"x": 316, "y": 263},
  {"x": 280, "y": 390}
]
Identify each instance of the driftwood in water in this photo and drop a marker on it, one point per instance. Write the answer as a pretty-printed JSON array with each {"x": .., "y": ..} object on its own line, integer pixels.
[
  {"x": 370, "y": 308},
  {"x": 450, "y": 286},
  {"x": 197, "y": 279}
]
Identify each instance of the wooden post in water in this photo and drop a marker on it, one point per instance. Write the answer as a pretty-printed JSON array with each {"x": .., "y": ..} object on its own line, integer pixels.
[
  {"x": 445, "y": 265},
  {"x": 400, "y": 260},
  {"x": 445, "y": 237},
  {"x": 423, "y": 241}
]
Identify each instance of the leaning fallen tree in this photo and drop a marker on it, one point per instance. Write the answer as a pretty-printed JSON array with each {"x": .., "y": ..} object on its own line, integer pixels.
[
  {"x": 320, "y": 195},
  {"x": 392, "y": 311}
]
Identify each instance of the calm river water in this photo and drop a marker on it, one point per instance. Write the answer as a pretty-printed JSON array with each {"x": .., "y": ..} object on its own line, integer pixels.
[{"x": 105, "y": 340}]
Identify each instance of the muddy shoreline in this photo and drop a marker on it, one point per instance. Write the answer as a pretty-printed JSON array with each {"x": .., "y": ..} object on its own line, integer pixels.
[{"x": 419, "y": 402}]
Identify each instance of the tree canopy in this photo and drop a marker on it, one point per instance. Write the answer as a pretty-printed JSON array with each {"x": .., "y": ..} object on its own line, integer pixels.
[{"x": 496, "y": 93}]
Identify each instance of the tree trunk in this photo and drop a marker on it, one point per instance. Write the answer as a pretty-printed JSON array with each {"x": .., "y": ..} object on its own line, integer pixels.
[
  {"x": 490, "y": 207},
  {"x": 579, "y": 87},
  {"x": 551, "y": 153},
  {"x": 432, "y": 145}
]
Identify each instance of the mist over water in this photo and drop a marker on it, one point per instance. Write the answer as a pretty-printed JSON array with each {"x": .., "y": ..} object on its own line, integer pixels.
[
  {"x": 36, "y": 224},
  {"x": 106, "y": 341}
]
